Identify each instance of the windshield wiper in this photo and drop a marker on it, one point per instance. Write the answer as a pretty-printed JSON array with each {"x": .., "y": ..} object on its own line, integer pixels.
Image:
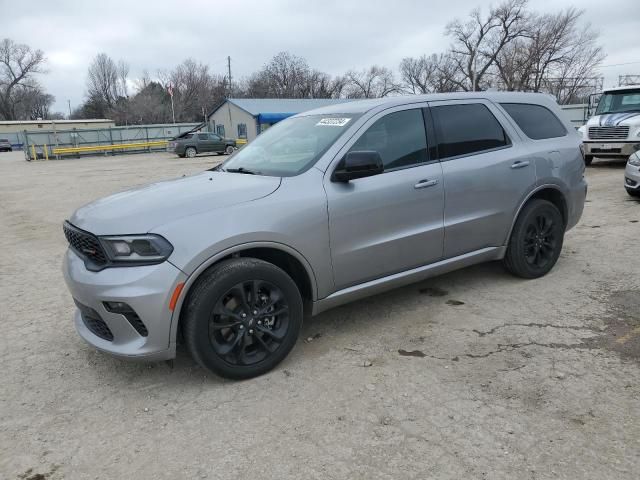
[{"x": 241, "y": 170}]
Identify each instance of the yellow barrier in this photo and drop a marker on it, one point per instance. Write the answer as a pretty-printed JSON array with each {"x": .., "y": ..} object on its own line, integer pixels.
[{"x": 105, "y": 148}]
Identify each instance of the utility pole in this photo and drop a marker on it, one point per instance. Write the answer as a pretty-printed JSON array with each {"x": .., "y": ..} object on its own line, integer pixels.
[
  {"x": 229, "y": 68},
  {"x": 69, "y": 103}
]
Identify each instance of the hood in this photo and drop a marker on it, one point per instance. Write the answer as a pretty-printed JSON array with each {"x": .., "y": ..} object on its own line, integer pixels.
[
  {"x": 615, "y": 119},
  {"x": 141, "y": 209}
]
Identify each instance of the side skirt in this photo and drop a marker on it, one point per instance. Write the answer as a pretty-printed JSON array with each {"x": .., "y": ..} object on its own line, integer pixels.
[{"x": 396, "y": 280}]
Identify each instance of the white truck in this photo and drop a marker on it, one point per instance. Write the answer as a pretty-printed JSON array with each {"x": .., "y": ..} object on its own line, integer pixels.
[{"x": 614, "y": 130}]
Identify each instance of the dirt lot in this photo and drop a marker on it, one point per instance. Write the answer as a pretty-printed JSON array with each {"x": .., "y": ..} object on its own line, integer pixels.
[{"x": 472, "y": 375}]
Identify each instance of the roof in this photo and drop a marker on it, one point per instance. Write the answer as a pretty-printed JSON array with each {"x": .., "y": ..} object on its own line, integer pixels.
[
  {"x": 28, "y": 122},
  {"x": 626, "y": 87},
  {"x": 257, "y": 106},
  {"x": 361, "y": 106}
]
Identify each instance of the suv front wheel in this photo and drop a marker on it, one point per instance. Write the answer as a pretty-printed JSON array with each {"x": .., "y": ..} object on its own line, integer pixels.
[
  {"x": 536, "y": 240},
  {"x": 242, "y": 318},
  {"x": 190, "y": 152}
]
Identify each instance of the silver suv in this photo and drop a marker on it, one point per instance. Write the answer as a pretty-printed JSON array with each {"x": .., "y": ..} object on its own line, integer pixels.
[{"x": 326, "y": 207}]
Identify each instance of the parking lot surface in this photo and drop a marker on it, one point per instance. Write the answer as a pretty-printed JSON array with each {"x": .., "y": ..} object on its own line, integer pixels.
[{"x": 472, "y": 375}]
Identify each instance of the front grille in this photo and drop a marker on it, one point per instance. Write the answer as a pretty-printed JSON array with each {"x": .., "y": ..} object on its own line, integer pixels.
[
  {"x": 94, "y": 322},
  {"x": 620, "y": 132},
  {"x": 608, "y": 150},
  {"x": 85, "y": 244}
]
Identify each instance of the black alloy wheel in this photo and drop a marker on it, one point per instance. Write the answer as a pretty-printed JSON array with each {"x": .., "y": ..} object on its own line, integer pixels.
[
  {"x": 540, "y": 240},
  {"x": 242, "y": 317},
  {"x": 536, "y": 240},
  {"x": 249, "y": 322}
]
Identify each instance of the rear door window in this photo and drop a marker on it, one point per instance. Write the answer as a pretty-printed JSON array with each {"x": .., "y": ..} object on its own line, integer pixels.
[
  {"x": 536, "y": 121},
  {"x": 203, "y": 136},
  {"x": 467, "y": 129}
]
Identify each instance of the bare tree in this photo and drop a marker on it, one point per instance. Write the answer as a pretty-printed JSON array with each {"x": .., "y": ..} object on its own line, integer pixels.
[
  {"x": 106, "y": 81},
  {"x": 195, "y": 89},
  {"x": 18, "y": 66},
  {"x": 373, "y": 82},
  {"x": 478, "y": 42},
  {"x": 558, "y": 56},
  {"x": 429, "y": 74},
  {"x": 284, "y": 76}
]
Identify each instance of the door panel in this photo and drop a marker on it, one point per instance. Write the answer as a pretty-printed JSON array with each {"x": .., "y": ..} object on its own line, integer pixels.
[
  {"x": 204, "y": 142},
  {"x": 217, "y": 145},
  {"x": 392, "y": 221},
  {"x": 385, "y": 224},
  {"x": 483, "y": 188},
  {"x": 483, "y": 193}
]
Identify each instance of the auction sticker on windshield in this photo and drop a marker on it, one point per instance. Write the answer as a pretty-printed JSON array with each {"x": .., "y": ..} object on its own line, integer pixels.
[{"x": 333, "y": 122}]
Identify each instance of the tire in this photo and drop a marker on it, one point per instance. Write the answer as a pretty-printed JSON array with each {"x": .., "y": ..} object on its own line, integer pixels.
[
  {"x": 236, "y": 347},
  {"x": 229, "y": 149},
  {"x": 588, "y": 159},
  {"x": 536, "y": 240},
  {"x": 633, "y": 193},
  {"x": 190, "y": 152},
  {"x": 181, "y": 155}
]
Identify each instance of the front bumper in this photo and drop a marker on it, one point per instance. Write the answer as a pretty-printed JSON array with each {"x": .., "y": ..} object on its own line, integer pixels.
[
  {"x": 632, "y": 178},
  {"x": 605, "y": 149},
  {"x": 146, "y": 289}
]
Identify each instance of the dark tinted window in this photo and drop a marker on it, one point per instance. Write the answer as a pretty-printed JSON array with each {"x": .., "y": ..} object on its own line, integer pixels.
[
  {"x": 535, "y": 121},
  {"x": 215, "y": 137},
  {"x": 398, "y": 137},
  {"x": 465, "y": 129},
  {"x": 203, "y": 136}
]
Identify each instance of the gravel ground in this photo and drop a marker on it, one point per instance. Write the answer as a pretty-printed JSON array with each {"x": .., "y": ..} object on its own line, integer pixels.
[{"x": 472, "y": 375}]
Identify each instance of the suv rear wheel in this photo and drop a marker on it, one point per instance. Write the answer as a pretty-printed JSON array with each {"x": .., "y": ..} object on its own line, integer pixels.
[
  {"x": 536, "y": 240},
  {"x": 190, "y": 152},
  {"x": 228, "y": 150},
  {"x": 242, "y": 318}
]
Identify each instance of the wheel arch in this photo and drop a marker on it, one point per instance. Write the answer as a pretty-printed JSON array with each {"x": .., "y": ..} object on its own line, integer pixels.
[
  {"x": 281, "y": 255},
  {"x": 551, "y": 193}
]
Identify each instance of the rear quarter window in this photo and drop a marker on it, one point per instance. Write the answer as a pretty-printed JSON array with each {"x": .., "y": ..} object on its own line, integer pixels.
[{"x": 537, "y": 122}]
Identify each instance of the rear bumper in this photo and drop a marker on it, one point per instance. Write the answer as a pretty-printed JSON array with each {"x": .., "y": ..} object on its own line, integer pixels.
[
  {"x": 146, "y": 289},
  {"x": 605, "y": 149},
  {"x": 576, "y": 206}
]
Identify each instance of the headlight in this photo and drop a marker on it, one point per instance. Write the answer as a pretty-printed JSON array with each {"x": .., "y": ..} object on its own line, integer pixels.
[
  {"x": 634, "y": 160},
  {"x": 137, "y": 249}
]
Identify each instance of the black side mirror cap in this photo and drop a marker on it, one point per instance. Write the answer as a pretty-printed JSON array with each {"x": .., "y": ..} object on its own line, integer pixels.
[{"x": 359, "y": 164}]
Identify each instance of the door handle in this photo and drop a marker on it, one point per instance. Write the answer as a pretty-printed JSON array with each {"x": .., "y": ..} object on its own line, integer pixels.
[
  {"x": 520, "y": 164},
  {"x": 425, "y": 183}
]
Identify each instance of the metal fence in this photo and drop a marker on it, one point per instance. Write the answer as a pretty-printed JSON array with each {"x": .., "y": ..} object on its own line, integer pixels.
[{"x": 106, "y": 141}]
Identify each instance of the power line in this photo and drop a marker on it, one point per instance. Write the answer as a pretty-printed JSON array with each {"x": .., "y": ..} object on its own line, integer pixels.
[{"x": 619, "y": 64}]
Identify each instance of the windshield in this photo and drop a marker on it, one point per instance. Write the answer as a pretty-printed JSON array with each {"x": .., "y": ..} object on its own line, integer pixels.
[
  {"x": 619, "y": 102},
  {"x": 290, "y": 147}
]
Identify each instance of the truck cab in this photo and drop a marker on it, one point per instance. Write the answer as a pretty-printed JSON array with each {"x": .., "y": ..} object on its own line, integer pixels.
[{"x": 614, "y": 130}]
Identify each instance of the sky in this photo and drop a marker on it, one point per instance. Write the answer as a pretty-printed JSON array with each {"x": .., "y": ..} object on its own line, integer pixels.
[{"x": 333, "y": 35}]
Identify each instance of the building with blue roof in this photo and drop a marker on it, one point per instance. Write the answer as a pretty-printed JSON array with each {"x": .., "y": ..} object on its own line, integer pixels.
[{"x": 245, "y": 118}]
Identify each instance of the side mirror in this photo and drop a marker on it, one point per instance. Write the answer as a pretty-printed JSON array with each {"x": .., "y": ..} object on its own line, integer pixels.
[{"x": 358, "y": 165}]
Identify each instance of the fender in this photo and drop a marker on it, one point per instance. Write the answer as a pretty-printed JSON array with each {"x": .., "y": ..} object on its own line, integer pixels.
[
  {"x": 526, "y": 199},
  {"x": 225, "y": 253}
]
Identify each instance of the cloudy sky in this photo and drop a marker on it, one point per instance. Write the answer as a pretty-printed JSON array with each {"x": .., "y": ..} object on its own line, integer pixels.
[{"x": 333, "y": 35}]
